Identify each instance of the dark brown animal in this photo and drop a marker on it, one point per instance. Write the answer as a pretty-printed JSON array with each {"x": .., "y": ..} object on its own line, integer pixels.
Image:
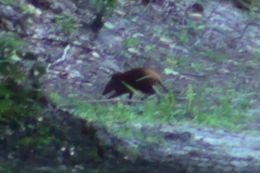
[{"x": 141, "y": 79}]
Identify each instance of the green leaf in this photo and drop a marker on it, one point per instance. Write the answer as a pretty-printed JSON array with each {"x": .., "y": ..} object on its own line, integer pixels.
[
  {"x": 184, "y": 37},
  {"x": 169, "y": 71},
  {"x": 5, "y": 105},
  {"x": 133, "y": 50},
  {"x": 190, "y": 97},
  {"x": 109, "y": 25},
  {"x": 111, "y": 3},
  {"x": 55, "y": 97},
  {"x": 131, "y": 42},
  {"x": 14, "y": 58},
  {"x": 147, "y": 48}
]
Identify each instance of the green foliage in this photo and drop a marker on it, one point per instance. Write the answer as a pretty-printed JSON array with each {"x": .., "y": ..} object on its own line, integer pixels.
[
  {"x": 101, "y": 5},
  {"x": 131, "y": 42},
  {"x": 26, "y": 8},
  {"x": 169, "y": 71},
  {"x": 184, "y": 37},
  {"x": 228, "y": 110},
  {"x": 7, "y": 168},
  {"x": 111, "y": 3},
  {"x": 92, "y": 171},
  {"x": 190, "y": 96},
  {"x": 215, "y": 56},
  {"x": 109, "y": 25},
  {"x": 66, "y": 22},
  {"x": 149, "y": 47},
  {"x": 56, "y": 97},
  {"x": 178, "y": 63},
  {"x": 29, "y": 9},
  {"x": 198, "y": 67},
  {"x": 9, "y": 44},
  {"x": 8, "y": 2},
  {"x": 150, "y": 110},
  {"x": 21, "y": 98},
  {"x": 257, "y": 56},
  {"x": 254, "y": 12},
  {"x": 41, "y": 137}
]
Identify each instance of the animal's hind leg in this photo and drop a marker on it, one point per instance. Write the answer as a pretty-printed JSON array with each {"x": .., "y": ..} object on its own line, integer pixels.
[{"x": 129, "y": 98}]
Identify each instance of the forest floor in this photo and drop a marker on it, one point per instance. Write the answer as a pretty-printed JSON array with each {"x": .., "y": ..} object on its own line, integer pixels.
[{"x": 217, "y": 54}]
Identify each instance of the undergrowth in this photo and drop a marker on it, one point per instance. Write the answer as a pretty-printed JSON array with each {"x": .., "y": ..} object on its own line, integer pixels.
[{"x": 225, "y": 109}]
